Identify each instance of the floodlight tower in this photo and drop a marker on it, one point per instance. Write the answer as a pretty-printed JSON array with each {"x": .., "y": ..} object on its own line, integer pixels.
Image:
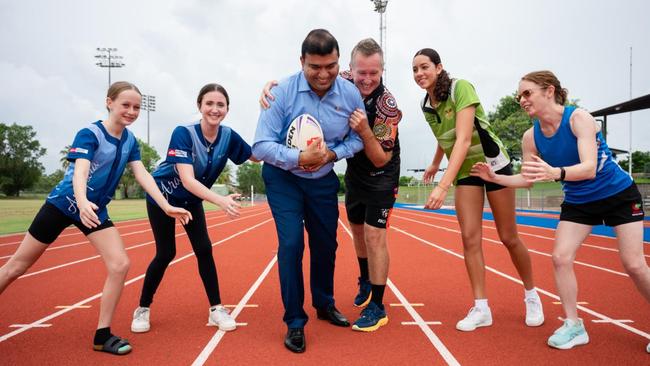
[
  {"x": 149, "y": 105},
  {"x": 108, "y": 58},
  {"x": 380, "y": 7}
]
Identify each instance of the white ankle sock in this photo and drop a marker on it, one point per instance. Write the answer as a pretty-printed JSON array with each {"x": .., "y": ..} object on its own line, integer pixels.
[
  {"x": 481, "y": 304},
  {"x": 531, "y": 294}
]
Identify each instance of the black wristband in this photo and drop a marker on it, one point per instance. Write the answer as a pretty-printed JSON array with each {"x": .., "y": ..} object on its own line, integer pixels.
[{"x": 562, "y": 175}]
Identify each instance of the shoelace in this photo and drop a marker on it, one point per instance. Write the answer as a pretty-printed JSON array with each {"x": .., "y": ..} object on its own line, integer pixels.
[{"x": 140, "y": 314}]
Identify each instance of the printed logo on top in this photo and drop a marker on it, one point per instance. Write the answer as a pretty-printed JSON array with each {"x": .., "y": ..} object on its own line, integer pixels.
[
  {"x": 177, "y": 153},
  {"x": 78, "y": 150}
]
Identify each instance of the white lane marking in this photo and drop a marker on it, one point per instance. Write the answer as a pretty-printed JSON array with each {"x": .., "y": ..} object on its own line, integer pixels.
[
  {"x": 539, "y": 290},
  {"x": 127, "y": 248},
  {"x": 529, "y": 250},
  {"x": 96, "y": 296},
  {"x": 214, "y": 341},
  {"x": 433, "y": 338},
  {"x": 427, "y": 323}
]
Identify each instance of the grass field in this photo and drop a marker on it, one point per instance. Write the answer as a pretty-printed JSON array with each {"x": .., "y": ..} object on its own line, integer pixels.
[{"x": 17, "y": 214}]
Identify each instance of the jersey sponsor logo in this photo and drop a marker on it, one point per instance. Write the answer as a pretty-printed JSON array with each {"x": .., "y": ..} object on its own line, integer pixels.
[
  {"x": 177, "y": 153},
  {"x": 637, "y": 209},
  {"x": 78, "y": 150}
]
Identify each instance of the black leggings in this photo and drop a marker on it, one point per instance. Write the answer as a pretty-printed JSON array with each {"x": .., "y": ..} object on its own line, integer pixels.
[{"x": 164, "y": 232}]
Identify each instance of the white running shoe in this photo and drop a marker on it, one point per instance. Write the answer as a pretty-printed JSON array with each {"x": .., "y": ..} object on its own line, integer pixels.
[
  {"x": 474, "y": 319},
  {"x": 569, "y": 335},
  {"x": 534, "y": 312},
  {"x": 140, "y": 323},
  {"x": 220, "y": 317}
]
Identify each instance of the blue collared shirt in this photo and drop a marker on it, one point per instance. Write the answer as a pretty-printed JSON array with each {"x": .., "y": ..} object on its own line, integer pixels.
[{"x": 293, "y": 97}]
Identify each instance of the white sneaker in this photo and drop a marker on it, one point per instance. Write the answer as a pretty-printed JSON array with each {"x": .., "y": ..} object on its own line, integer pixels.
[
  {"x": 534, "y": 312},
  {"x": 220, "y": 317},
  {"x": 474, "y": 319},
  {"x": 140, "y": 323}
]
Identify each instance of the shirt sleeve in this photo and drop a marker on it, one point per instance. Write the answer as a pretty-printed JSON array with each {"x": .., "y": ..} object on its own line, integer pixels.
[
  {"x": 134, "y": 155},
  {"x": 268, "y": 145},
  {"x": 239, "y": 150},
  {"x": 386, "y": 121},
  {"x": 83, "y": 146},
  {"x": 180, "y": 147},
  {"x": 465, "y": 95}
]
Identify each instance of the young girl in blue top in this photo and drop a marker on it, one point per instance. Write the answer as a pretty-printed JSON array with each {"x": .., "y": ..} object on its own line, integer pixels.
[
  {"x": 196, "y": 156},
  {"x": 566, "y": 145},
  {"x": 98, "y": 157}
]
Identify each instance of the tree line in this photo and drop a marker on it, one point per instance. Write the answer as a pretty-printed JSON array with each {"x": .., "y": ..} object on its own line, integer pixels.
[{"x": 20, "y": 151}]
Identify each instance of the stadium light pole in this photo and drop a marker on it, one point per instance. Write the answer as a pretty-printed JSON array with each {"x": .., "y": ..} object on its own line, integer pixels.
[
  {"x": 107, "y": 58},
  {"x": 380, "y": 7},
  {"x": 149, "y": 105}
]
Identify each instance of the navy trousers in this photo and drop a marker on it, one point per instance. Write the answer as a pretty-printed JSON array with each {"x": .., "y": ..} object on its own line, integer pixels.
[{"x": 297, "y": 204}]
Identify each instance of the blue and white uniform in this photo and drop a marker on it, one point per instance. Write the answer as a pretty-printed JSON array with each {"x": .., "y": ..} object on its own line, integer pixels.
[
  {"x": 108, "y": 158},
  {"x": 189, "y": 146}
]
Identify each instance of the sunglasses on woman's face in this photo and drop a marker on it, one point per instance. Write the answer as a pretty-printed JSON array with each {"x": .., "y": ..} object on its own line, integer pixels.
[{"x": 525, "y": 94}]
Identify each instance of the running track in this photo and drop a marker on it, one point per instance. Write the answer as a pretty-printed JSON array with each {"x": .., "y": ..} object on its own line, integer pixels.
[{"x": 48, "y": 316}]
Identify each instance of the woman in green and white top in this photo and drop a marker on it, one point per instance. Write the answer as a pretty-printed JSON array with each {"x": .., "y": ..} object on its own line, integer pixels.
[{"x": 456, "y": 117}]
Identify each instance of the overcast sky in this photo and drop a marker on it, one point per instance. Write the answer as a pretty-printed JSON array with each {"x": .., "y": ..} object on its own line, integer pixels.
[{"x": 171, "y": 48}]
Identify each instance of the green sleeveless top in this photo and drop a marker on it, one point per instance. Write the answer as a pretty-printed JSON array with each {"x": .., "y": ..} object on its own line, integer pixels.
[{"x": 485, "y": 145}]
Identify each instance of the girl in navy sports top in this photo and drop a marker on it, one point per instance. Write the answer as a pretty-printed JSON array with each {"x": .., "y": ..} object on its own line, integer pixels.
[
  {"x": 196, "y": 156},
  {"x": 565, "y": 144},
  {"x": 98, "y": 157}
]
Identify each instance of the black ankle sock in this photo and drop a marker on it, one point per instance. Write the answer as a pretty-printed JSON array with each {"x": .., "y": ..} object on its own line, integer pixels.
[
  {"x": 102, "y": 335},
  {"x": 363, "y": 268},
  {"x": 378, "y": 295}
]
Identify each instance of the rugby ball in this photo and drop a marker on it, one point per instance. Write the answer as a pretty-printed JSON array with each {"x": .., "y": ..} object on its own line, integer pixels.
[{"x": 303, "y": 131}]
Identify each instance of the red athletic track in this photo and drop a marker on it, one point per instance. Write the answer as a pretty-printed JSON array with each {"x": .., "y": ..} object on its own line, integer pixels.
[{"x": 424, "y": 271}]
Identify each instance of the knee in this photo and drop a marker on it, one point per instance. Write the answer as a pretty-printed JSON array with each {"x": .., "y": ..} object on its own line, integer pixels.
[
  {"x": 562, "y": 260},
  {"x": 119, "y": 266},
  {"x": 471, "y": 243},
  {"x": 165, "y": 258},
  {"x": 14, "y": 270},
  {"x": 510, "y": 240},
  {"x": 635, "y": 267}
]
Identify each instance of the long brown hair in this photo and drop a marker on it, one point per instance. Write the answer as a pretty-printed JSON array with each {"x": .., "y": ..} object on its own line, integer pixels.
[{"x": 443, "y": 84}]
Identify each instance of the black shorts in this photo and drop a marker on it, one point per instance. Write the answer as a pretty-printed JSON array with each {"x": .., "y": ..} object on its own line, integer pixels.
[
  {"x": 621, "y": 208},
  {"x": 50, "y": 222},
  {"x": 489, "y": 186},
  {"x": 373, "y": 212}
]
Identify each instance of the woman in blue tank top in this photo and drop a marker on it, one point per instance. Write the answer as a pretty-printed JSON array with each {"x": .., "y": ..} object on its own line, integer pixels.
[
  {"x": 565, "y": 144},
  {"x": 98, "y": 157}
]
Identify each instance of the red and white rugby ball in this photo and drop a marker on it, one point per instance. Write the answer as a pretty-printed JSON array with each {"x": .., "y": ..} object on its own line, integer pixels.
[{"x": 303, "y": 131}]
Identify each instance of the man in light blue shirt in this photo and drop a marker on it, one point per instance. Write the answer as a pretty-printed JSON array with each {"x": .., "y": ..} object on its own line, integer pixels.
[{"x": 300, "y": 185}]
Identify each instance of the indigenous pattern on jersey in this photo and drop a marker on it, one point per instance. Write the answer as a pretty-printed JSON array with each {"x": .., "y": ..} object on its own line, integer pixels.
[
  {"x": 485, "y": 145},
  {"x": 384, "y": 116},
  {"x": 561, "y": 150},
  {"x": 189, "y": 146},
  {"x": 108, "y": 158}
]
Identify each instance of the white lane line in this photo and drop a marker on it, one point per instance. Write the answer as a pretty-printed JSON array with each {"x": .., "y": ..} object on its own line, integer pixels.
[
  {"x": 539, "y": 290},
  {"x": 433, "y": 338},
  {"x": 529, "y": 250},
  {"x": 427, "y": 323},
  {"x": 73, "y": 307},
  {"x": 85, "y": 241},
  {"x": 434, "y": 217},
  {"x": 96, "y": 296},
  {"x": 27, "y": 325},
  {"x": 607, "y": 321},
  {"x": 127, "y": 248},
  {"x": 214, "y": 341},
  {"x": 413, "y": 304}
]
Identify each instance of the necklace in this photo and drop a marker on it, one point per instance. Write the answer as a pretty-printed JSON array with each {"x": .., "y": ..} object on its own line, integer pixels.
[{"x": 208, "y": 146}]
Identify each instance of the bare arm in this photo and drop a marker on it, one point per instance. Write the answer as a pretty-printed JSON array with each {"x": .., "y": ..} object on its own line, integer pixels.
[
  {"x": 371, "y": 146},
  {"x": 227, "y": 203},
  {"x": 431, "y": 171},
  {"x": 79, "y": 184},
  {"x": 584, "y": 128}
]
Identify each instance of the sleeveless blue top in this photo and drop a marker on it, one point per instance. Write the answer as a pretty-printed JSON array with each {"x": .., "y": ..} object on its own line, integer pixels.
[{"x": 561, "y": 150}]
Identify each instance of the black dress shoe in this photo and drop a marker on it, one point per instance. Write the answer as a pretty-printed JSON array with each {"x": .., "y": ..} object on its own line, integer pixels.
[
  {"x": 333, "y": 316},
  {"x": 295, "y": 340}
]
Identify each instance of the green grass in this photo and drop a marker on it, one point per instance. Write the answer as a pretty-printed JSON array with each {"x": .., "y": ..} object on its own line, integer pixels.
[{"x": 16, "y": 214}]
